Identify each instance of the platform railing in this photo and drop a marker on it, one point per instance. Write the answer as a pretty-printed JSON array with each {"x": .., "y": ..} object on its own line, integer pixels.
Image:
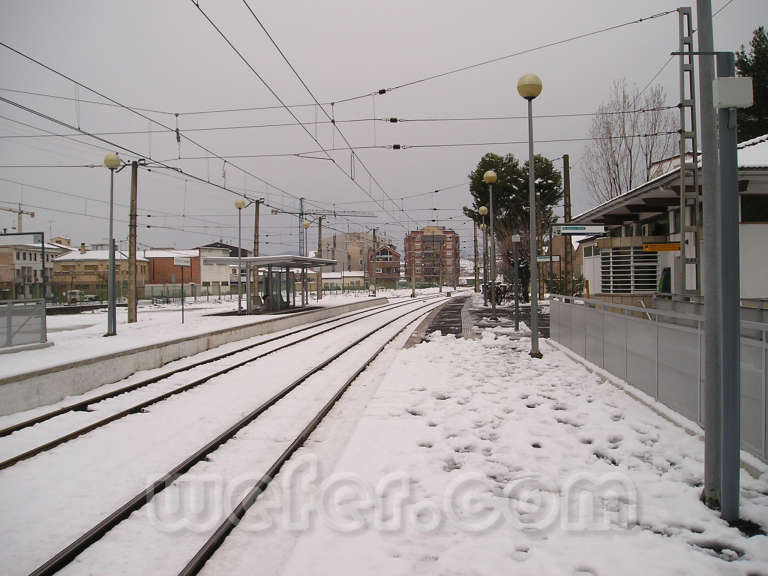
[
  {"x": 661, "y": 353},
  {"x": 22, "y": 322}
]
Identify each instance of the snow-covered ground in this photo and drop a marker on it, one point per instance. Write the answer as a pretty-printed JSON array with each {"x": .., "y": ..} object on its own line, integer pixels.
[
  {"x": 80, "y": 336},
  {"x": 451, "y": 457},
  {"x": 470, "y": 457}
]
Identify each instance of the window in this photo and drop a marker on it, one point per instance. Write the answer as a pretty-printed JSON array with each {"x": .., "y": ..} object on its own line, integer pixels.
[
  {"x": 24, "y": 256},
  {"x": 18, "y": 256},
  {"x": 754, "y": 208},
  {"x": 587, "y": 251}
]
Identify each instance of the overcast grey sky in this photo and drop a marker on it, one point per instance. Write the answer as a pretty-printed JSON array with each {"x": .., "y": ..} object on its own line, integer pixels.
[{"x": 167, "y": 57}]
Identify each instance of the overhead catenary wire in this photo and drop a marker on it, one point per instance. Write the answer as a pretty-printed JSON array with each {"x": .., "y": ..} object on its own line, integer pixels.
[
  {"x": 288, "y": 109},
  {"x": 390, "y": 120},
  {"x": 138, "y": 113},
  {"x": 358, "y": 96},
  {"x": 306, "y": 153}
]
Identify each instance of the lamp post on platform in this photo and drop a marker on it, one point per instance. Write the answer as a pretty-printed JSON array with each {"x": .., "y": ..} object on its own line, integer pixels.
[
  {"x": 112, "y": 162},
  {"x": 239, "y": 204},
  {"x": 483, "y": 211},
  {"x": 490, "y": 178},
  {"x": 529, "y": 87}
]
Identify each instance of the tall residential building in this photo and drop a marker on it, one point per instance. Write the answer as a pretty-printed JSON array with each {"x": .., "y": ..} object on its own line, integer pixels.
[
  {"x": 349, "y": 250},
  {"x": 432, "y": 252}
]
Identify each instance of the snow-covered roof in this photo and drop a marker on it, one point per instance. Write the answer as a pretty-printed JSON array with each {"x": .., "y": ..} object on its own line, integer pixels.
[
  {"x": 754, "y": 153},
  {"x": 95, "y": 255},
  {"x": 169, "y": 253},
  {"x": 349, "y": 274}
]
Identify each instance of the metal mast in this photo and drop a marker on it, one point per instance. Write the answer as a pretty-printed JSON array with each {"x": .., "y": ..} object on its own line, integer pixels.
[{"x": 690, "y": 220}]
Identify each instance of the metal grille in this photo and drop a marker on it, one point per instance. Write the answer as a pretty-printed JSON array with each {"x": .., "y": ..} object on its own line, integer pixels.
[{"x": 628, "y": 270}]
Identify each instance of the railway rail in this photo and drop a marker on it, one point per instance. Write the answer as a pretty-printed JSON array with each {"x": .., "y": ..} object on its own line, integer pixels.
[
  {"x": 193, "y": 566},
  {"x": 84, "y": 405}
]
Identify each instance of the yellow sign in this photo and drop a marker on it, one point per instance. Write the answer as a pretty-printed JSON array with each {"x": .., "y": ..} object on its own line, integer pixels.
[{"x": 662, "y": 247}]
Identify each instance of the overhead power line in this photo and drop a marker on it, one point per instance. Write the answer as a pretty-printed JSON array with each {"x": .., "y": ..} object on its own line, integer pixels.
[
  {"x": 287, "y": 108},
  {"x": 308, "y": 153},
  {"x": 179, "y": 135},
  {"x": 390, "y": 120},
  {"x": 526, "y": 51}
]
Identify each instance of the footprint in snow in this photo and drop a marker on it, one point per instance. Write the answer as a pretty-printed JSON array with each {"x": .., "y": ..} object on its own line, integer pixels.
[
  {"x": 425, "y": 444},
  {"x": 586, "y": 440},
  {"x": 450, "y": 465},
  {"x": 521, "y": 553},
  {"x": 615, "y": 440},
  {"x": 440, "y": 396},
  {"x": 617, "y": 417},
  {"x": 414, "y": 411}
]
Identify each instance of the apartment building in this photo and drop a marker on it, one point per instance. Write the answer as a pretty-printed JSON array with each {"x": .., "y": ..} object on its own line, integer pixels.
[{"x": 433, "y": 254}]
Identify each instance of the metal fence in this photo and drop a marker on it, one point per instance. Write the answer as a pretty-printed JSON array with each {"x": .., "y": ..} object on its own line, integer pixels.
[
  {"x": 662, "y": 353},
  {"x": 22, "y": 322}
]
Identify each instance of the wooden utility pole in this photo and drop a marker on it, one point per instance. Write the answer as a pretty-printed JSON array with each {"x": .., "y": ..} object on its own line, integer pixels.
[
  {"x": 132, "y": 301},
  {"x": 319, "y": 255},
  {"x": 256, "y": 228},
  {"x": 373, "y": 264},
  {"x": 477, "y": 270},
  {"x": 567, "y": 245}
]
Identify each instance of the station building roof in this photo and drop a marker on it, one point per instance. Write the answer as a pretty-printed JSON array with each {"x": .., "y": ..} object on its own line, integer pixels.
[{"x": 656, "y": 195}]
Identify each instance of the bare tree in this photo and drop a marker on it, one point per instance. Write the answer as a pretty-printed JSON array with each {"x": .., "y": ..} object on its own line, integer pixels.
[{"x": 630, "y": 132}]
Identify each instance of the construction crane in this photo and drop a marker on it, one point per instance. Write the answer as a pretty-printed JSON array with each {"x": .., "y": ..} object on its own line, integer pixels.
[{"x": 19, "y": 212}]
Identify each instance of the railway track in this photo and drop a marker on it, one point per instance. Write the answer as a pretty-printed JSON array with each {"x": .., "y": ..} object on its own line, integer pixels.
[
  {"x": 349, "y": 352},
  {"x": 85, "y": 405}
]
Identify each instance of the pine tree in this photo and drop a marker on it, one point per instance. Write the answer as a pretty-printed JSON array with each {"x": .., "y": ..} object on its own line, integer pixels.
[{"x": 753, "y": 122}]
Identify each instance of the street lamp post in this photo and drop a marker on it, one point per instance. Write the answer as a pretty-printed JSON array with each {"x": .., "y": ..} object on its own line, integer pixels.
[
  {"x": 529, "y": 87},
  {"x": 490, "y": 178},
  {"x": 111, "y": 161},
  {"x": 239, "y": 204},
  {"x": 483, "y": 211}
]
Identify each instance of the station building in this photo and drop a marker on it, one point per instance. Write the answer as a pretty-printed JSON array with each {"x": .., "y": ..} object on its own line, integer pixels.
[{"x": 640, "y": 255}]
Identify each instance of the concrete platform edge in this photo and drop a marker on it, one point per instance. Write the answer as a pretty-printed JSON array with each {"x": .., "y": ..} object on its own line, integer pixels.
[{"x": 32, "y": 389}]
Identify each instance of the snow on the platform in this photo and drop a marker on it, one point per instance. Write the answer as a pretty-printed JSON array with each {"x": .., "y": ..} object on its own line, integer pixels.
[
  {"x": 81, "y": 336},
  {"x": 474, "y": 458}
]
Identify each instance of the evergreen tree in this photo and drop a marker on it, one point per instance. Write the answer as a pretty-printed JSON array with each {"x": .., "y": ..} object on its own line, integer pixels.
[{"x": 753, "y": 122}]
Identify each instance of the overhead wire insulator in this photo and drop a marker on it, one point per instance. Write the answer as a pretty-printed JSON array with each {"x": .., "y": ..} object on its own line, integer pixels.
[
  {"x": 178, "y": 136},
  {"x": 394, "y": 120},
  {"x": 395, "y": 146}
]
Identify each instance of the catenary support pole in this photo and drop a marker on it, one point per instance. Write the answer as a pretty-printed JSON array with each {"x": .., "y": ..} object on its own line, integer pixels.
[
  {"x": 730, "y": 307},
  {"x": 319, "y": 255},
  {"x": 711, "y": 288},
  {"x": 132, "y": 301},
  {"x": 568, "y": 246}
]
